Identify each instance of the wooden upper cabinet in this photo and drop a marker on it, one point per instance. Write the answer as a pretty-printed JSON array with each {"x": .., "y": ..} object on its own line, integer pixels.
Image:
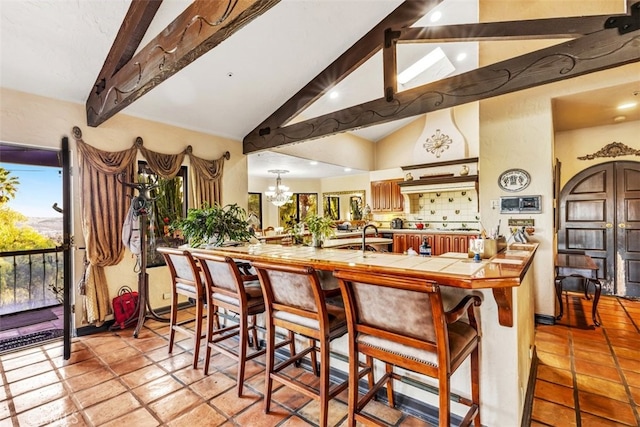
[
  {"x": 397, "y": 199},
  {"x": 386, "y": 196}
]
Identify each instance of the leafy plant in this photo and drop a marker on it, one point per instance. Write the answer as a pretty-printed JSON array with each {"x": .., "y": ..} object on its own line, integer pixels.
[
  {"x": 8, "y": 186},
  {"x": 320, "y": 227},
  {"x": 214, "y": 225}
]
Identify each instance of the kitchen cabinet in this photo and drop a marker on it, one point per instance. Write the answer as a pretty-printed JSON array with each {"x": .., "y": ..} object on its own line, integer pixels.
[
  {"x": 404, "y": 241},
  {"x": 386, "y": 196},
  {"x": 440, "y": 243},
  {"x": 451, "y": 243}
]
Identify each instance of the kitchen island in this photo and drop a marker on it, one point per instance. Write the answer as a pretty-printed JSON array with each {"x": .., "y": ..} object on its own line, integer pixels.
[{"x": 506, "y": 315}]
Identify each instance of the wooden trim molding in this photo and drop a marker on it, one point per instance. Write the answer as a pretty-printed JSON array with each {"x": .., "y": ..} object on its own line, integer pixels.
[{"x": 615, "y": 149}]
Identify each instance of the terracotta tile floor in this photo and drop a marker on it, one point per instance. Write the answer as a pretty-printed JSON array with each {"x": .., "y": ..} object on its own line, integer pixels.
[
  {"x": 586, "y": 377},
  {"x": 589, "y": 376},
  {"x": 113, "y": 379}
]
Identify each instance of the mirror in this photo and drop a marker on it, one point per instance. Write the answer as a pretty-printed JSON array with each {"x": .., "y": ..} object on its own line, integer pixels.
[{"x": 344, "y": 205}]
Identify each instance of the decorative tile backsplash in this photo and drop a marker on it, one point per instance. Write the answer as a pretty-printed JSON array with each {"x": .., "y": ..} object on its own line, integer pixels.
[{"x": 446, "y": 209}]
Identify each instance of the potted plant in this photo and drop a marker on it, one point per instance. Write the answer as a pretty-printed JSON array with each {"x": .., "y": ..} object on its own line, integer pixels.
[
  {"x": 320, "y": 228},
  {"x": 214, "y": 225}
]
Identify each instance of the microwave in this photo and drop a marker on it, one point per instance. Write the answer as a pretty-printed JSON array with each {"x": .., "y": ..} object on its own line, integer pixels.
[{"x": 520, "y": 204}]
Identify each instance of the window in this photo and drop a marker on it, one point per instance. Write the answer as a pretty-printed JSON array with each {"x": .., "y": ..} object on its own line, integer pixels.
[
  {"x": 302, "y": 204},
  {"x": 254, "y": 210},
  {"x": 169, "y": 204}
]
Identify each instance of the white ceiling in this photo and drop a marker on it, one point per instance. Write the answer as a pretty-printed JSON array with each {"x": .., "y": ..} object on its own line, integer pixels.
[{"x": 56, "y": 48}]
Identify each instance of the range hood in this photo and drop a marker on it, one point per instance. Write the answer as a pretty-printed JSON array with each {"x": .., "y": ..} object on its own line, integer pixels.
[
  {"x": 439, "y": 184},
  {"x": 438, "y": 177}
]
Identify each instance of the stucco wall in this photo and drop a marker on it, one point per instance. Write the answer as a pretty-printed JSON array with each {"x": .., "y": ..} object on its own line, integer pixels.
[
  {"x": 570, "y": 145},
  {"x": 38, "y": 121}
]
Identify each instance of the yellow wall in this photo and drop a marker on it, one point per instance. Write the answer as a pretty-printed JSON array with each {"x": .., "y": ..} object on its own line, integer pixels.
[
  {"x": 570, "y": 145},
  {"x": 38, "y": 121}
]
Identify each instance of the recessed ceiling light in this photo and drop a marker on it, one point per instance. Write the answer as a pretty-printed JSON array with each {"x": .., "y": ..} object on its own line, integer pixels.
[
  {"x": 313, "y": 162},
  {"x": 347, "y": 169},
  {"x": 334, "y": 94},
  {"x": 435, "y": 16},
  {"x": 627, "y": 105},
  {"x": 461, "y": 56}
]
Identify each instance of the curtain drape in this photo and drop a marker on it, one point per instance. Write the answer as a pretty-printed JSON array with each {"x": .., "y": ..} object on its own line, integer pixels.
[
  {"x": 104, "y": 205},
  {"x": 165, "y": 166},
  {"x": 105, "y": 200},
  {"x": 206, "y": 179}
]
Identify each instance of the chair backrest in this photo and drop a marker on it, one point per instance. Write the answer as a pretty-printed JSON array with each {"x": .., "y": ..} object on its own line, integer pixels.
[
  {"x": 292, "y": 289},
  {"x": 222, "y": 274},
  {"x": 404, "y": 310},
  {"x": 182, "y": 267}
]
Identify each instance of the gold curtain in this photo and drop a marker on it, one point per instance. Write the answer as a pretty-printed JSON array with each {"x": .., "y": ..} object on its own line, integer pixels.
[
  {"x": 165, "y": 166},
  {"x": 104, "y": 205},
  {"x": 206, "y": 179}
]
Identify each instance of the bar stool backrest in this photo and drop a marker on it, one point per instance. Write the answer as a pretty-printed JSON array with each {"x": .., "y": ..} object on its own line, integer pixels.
[
  {"x": 222, "y": 274},
  {"x": 403, "y": 310},
  {"x": 399, "y": 310},
  {"x": 292, "y": 286},
  {"x": 183, "y": 269}
]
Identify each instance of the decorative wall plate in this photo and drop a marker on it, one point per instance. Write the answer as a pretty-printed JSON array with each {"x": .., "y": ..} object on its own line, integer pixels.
[{"x": 514, "y": 180}]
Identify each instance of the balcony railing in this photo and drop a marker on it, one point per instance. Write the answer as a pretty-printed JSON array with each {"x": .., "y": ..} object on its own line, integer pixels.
[{"x": 30, "y": 279}]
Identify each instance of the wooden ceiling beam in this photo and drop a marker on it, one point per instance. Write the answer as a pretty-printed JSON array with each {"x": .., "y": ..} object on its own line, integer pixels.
[
  {"x": 404, "y": 15},
  {"x": 203, "y": 25},
  {"x": 552, "y": 28},
  {"x": 595, "y": 52}
]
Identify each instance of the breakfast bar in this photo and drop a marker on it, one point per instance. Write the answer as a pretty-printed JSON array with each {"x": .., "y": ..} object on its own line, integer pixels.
[{"x": 506, "y": 316}]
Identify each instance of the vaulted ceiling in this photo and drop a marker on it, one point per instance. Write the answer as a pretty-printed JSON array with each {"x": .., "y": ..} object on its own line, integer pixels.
[{"x": 247, "y": 69}]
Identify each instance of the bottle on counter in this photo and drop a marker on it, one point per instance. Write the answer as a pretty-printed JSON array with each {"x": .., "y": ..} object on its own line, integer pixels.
[{"x": 425, "y": 248}]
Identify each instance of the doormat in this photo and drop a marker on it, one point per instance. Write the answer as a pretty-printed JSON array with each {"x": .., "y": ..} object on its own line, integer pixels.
[
  {"x": 31, "y": 339},
  {"x": 25, "y": 318}
]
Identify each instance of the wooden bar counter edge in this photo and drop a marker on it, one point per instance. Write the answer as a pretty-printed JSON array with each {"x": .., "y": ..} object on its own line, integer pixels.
[{"x": 499, "y": 273}]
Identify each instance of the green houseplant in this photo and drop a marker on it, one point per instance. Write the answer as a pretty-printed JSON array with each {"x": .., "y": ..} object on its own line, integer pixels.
[
  {"x": 320, "y": 227},
  {"x": 214, "y": 225}
]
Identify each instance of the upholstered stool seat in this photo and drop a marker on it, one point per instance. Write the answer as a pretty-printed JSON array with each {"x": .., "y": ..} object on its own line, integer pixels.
[
  {"x": 401, "y": 322},
  {"x": 186, "y": 280},
  {"x": 230, "y": 290},
  {"x": 295, "y": 301}
]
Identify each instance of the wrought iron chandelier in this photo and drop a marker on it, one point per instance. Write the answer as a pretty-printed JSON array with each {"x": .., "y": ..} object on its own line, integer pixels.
[{"x": 280, "y": 194}]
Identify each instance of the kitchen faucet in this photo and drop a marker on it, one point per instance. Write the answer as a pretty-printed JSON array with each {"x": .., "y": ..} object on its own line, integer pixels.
[{"x": 364, "y": 235}]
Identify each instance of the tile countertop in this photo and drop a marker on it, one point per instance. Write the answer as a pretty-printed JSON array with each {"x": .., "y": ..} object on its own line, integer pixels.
[
  {"x": 500, "y": 273},
  {"x": 410, "y": 230}
]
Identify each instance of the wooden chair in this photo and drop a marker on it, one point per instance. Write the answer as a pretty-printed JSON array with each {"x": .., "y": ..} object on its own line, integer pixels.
[
  {"x": 237, "y": 293},
  {"x": 401, "y": 322},
  {"x": 186, "y": 281},
  {"x": 295, "y": 301}
]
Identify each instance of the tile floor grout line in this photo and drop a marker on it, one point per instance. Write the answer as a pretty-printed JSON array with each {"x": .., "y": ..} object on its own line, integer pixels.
[{"x": 574, "y": 374}]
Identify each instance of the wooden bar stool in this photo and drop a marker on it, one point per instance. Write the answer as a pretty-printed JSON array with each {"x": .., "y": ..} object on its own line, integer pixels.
[
  {"x": 295, "y": 301},
  {"x": 236, "y": 293},
  {"x": 401, "y": 322},
  {"x": 186, "y": 281}
]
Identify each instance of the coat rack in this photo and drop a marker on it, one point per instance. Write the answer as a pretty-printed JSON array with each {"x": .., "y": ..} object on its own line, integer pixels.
[{"x": 141, "y": 204}]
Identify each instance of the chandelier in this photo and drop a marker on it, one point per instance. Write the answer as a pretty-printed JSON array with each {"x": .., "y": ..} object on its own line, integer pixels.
[{"x": 280, "y": 194}]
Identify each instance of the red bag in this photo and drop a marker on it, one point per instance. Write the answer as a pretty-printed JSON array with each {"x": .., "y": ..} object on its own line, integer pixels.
[{"x": 125, "y": 306}]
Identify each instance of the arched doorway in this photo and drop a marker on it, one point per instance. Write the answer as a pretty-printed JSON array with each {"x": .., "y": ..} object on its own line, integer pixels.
[{"x": 600, "y": 214}]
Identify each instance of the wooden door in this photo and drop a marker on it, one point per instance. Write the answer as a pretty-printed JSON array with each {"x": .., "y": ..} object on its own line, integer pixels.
[
  {"x": 627, "y": 228},
  {"x": 600, "y": 215},
  {"x": 67, "y": 242}
]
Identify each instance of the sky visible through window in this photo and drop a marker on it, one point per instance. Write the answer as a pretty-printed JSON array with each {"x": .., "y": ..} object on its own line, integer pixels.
[{"x": 40, "y": 187}]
